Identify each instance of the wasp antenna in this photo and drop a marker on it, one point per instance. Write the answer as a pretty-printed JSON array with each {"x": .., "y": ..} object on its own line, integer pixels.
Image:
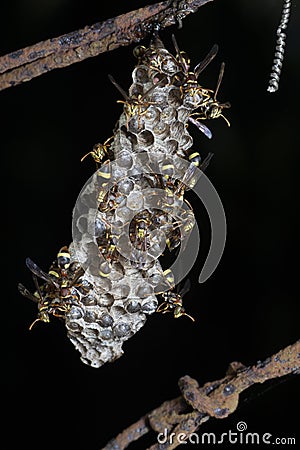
[
  {"x": 108, "y": 139},
  {"x": 87, "y": 154},
  {"x": 160, "y": 308},
  {"x": 190, "y": 317},
  {"x": 121, "y": 90},
  {"x": 33, "y": 323},
  {"x": 226, "y": 120}
]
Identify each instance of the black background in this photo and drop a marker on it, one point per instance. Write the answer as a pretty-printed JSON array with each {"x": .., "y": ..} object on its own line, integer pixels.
[{"x": 246, "y": 311}]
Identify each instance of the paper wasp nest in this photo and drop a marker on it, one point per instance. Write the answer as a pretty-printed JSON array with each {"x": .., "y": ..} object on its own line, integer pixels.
[{"x": 110, "y": 278}]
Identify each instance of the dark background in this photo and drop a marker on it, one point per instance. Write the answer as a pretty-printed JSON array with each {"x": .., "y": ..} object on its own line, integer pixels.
[{"x": 246, "y": 311}]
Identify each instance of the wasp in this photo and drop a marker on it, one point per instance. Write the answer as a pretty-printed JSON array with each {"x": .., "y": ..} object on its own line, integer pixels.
[
  {"x": 174, "y": 239},
  {"x": 210, "y": 107},
  {"x": 47, "y": 302},
  {"x": 101, "y": 230},
  {"x": 111, "y": 248},
  {"x": 63, "y": 258},
  {"x": 104, "y": 172},
  {"x": 193, "y": 157},
  {"x": 58, "y": 294},
  {"x": 137, "y": 105},
  {"x": 160, "y": 219},
  {"x": 46, "y": 305},
  {"x": 140, "y": 52},
  {"x": 139, "y": 230},
  {"x": 167, "y": 169},
  {"x": 188, "y": 80},
  {"x": 188, "y": 222},
  {"x": 109, "y": 200},
  {"x": 190, "y": 177},
  {"x": 105, "y": 269},
  {"x": 99, "y": 151},
  {"x": 188, "y": 181},
  {"x": 103, "y": 178},
  {"x": 148, "y": 56},
  {"x": 157, "y": 58},
  {"x": 181, "y": 229},
  {"x": 172, "y": 302},
  {"x": 169, "y": 277},
  {"x": 108, "y": 246},
  {"x": 66, "y": 274}
]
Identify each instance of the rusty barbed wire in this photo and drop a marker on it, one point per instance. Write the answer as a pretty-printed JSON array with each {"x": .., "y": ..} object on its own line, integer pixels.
[
  {"x": 217, "y": 399},
  {"x": 30, "y": 62}
]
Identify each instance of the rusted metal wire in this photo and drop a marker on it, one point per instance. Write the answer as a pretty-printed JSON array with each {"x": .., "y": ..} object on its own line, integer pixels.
[
  {"x": 218, "y": 399},
  {"x": 30, "y": 62}
]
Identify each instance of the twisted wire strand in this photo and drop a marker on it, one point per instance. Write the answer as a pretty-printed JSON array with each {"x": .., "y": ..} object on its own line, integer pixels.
[{"x": 280, "y": 48}]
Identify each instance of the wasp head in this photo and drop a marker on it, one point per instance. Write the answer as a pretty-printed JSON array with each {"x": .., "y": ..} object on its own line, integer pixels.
[
  {"x": 214, "y": 110},
  {"x": 43, "y": 316}
]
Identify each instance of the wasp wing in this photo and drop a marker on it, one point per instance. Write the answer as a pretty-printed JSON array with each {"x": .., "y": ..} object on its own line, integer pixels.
[
  {"x": 121, "y": 90},
  {"x": 39, "y": 272},
  {"x": 206, "y": 162},
  {"x": 201, "y": 127},
  {"x": 204, "y": 63},
  {"x": 26, "y": 293},
  {"x": 179, "y": 54},
  {"x": 185, "y": 288}
]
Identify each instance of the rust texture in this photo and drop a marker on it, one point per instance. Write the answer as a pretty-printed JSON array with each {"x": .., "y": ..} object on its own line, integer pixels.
[
  {"x": 223, "y": 398},
  {"x": 131, "y": 434},
  {"x": 217, "y": 399},
  {"x": 30, "y": 62}
]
